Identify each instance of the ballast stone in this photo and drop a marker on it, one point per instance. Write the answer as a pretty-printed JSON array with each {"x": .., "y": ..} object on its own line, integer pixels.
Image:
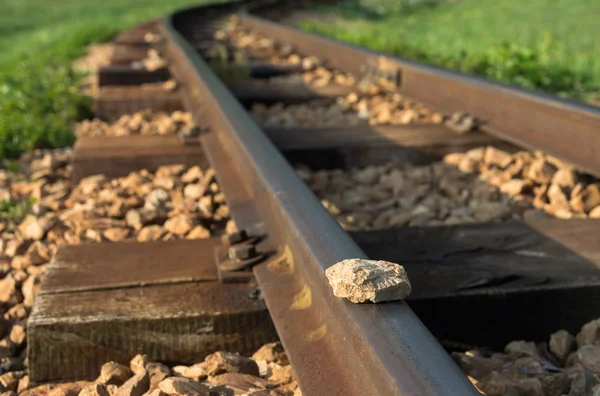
[{"x": 361, "y": 280}]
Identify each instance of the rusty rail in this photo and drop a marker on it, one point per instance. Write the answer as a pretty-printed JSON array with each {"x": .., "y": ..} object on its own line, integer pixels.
[
  {"x": 337, "y": 348},
  {"x": 566, "y": 129}
]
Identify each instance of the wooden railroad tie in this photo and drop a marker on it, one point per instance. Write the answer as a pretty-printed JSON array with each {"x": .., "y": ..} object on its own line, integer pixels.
[{"x": 102, "y": 302}]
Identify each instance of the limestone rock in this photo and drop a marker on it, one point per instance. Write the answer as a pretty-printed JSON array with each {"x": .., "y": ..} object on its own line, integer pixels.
[
  {"x": 589, "y": 357},
  {"x": 541, "y": 171},
  {"x": 272, "y": 352},
  {"x": 170, "y": 170},
  {"x": 135, "y": 386},
  {"x": 514, "y": 186},
  {"x": 239, "y": 382},
  {"x": 158, "y": 372},
  {"x": 9, "y": 292},
  {"x": 527, "y": 365},
  {"x": 10, "y": 381},
  {"x": 225, "y": 362},
  {"x": 116, "y": 234},
  {"x": 556, "y": 384},
  {"x": 499, "y": 158},
  {"x": 113, "y": 373},
  {"x": 156, "y": 392},
  {"x": 17, "y": 312},
  {"x": 192, "y": 175},
  {"x": 591, "y": 197},
  {"x": 453, "y": 158},
  {"x": 150, "y": 233},
  {"x": 583, "y": 383},
  {"x": 562, "y": 344},
  {"x": 279, "y": 375},
  {"x": 557, "y": 196},
  {"x": 522, "y": 348},
  {"x": 24, "y": 384},
  {"x": 476, "y": 365},
  {"x": 38, "y": 253},
  {"x": 137, "y": 365},
  {"x": 18, "y": 335},
  {"x": 29, "y": 290},
  {"x": 183, "y": 386},
  {"x": 156, "y": 199},
  {"x": 565, "y": 177},
  {"x": 500, "y": 385},
  {"x": 196, "y": 372},
  {"x": 57, "y": 389},
  {"x": 179, "y": 225},
  {"x": 194, "y": 191},
  {"x": 95, "y": 390},
  {"x": 14, "y": 247},
  {"x": 361, "y": 280},
  {"x": 368, "y": 175},
  {"x": 589, "y": 334},
  {"x": 46, "y": 163},
  {"x": 34, "y": 227},
  {"x": 91, "y": 184},
  {"x": 165, "y": 182},
  {"x": 198, "y": 232},
  {"x": 138, "y": 218}
]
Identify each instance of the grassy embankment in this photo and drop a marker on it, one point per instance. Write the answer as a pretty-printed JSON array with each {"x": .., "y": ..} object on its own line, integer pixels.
[
  {"x": 39, "y": 95},
  {"x": 547, "y": 45}
]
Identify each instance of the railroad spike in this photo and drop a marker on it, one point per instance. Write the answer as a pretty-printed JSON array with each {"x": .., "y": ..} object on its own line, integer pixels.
[
  {"x": 234, "y": 238},
  {"x": 242, "y": 252}
]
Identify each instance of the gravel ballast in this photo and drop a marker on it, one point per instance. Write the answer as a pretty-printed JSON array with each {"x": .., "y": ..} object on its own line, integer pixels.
[
  {"x": 482, "y": 185},
  {"x": 43, "y": 211}
]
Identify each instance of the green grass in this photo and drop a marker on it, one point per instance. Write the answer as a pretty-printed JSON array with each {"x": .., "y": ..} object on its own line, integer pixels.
[
  {"x": 39, "y": 96},
  {"x": 548, "y": 45},
  {"x": 13, "y": 211}
]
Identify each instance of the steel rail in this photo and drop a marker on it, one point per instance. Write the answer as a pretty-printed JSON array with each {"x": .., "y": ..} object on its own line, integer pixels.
[
  {"x": 336, "y": 347},
  {"x": 566, "y": 129}
]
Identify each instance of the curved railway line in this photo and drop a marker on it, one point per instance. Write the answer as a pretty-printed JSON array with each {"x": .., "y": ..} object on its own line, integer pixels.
[{"x": 479, "y": 283}]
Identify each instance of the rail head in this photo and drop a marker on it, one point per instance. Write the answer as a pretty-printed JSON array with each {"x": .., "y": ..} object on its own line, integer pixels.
[
  {"x": 341, "y": 348},
  {"x": 563, "y": 128}
]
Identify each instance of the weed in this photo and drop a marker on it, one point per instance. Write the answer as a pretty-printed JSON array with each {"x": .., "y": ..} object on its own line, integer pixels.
[
  {"x": 38, "y": 107},
  {"x": 13, "y": 211}
]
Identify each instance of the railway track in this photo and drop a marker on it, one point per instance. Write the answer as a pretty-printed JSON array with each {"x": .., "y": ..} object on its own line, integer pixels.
[{"x": 301, "y": 132}]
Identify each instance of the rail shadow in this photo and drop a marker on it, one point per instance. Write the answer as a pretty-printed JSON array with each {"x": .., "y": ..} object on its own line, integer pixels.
[
  {"x": 486, "y": 284},
  {"x": 366, "y": 145}
]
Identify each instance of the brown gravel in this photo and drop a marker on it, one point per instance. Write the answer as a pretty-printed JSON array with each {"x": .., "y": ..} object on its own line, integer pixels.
[
  {"x": 367, "y": 105},
  {"x": 97, "y": 56},
  {"x": 266, "y": 373},
  {"x": 566, "y": 365},
  {"x": 152, "y": 61},
  {"x": 152, "y": 37},
  {"x": 352, "y": 110},
  {"x": 254, "y": 45},
  {"x": 484, "y": 184},
  {"x": 144, "y": 122},
  {"x": 173, "y": 203}
]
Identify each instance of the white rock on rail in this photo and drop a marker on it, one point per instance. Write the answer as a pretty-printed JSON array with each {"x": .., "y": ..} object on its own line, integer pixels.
[{"x": 360, "y": 280}]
